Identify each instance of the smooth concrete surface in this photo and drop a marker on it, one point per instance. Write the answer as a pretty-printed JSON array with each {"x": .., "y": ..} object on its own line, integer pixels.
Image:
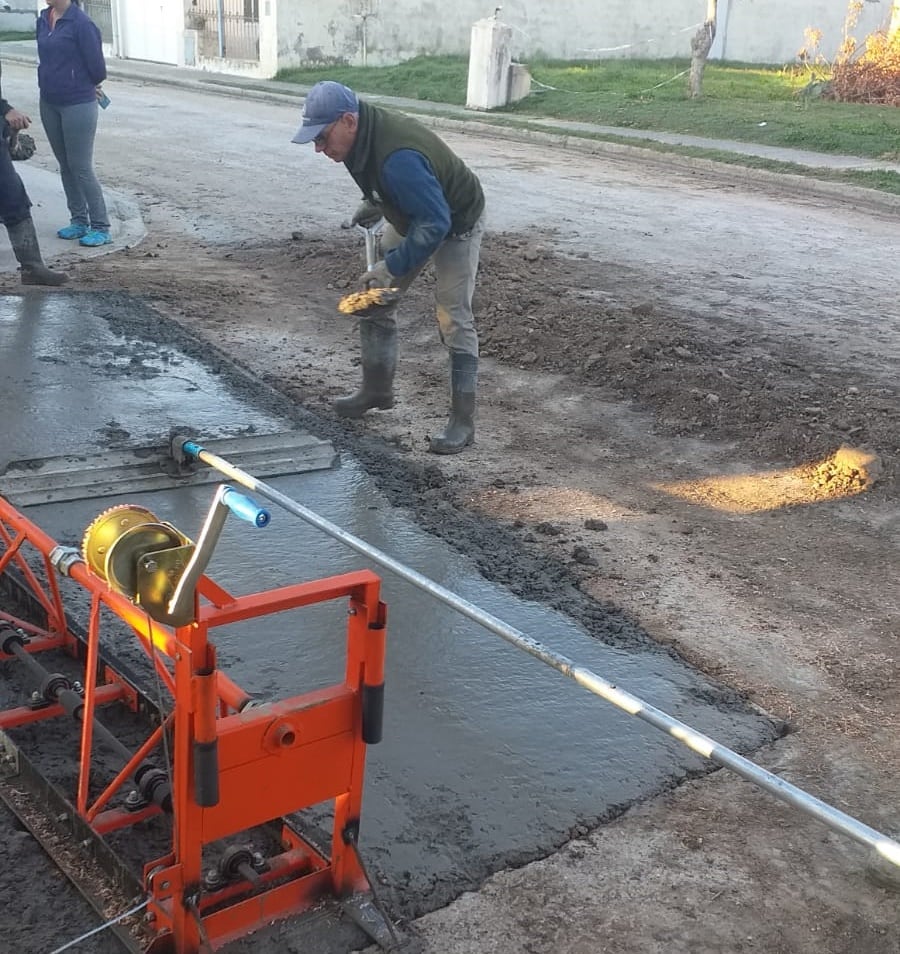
[
  {"x": 489, "y": 758},
  {"x": 71, "y": 385}
]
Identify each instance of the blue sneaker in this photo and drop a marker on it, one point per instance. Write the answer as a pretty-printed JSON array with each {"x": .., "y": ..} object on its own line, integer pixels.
[
  {"x": 74, "y": 231},
  {"x": 94, "y": 238}
]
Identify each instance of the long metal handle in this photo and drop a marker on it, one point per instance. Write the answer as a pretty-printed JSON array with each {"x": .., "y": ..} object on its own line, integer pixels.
[
  {"x": 371, "y": 257},
  {"x": 697, "y": 742}
]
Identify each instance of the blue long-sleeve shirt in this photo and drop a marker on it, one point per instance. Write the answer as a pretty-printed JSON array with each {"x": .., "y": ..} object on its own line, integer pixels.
[
  {"x": 414, "y": 189},
  {"x": 70, "y": 58}
]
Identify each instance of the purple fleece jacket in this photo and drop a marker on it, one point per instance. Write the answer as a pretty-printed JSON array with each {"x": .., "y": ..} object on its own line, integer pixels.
[{"x": 70, "y": 58}]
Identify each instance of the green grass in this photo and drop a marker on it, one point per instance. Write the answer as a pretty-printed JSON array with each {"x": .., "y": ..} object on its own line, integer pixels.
[
  {"x": 431, "y": 78},
  {"x": 748, "y": 103}
]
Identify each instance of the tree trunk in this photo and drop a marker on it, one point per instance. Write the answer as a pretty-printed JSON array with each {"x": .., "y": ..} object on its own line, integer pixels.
[{"x": 701, "y": 44}]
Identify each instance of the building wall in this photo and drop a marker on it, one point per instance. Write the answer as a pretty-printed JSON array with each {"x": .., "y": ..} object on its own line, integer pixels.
[
  {"x": 17, "y": 19},
  {"x": 311, "y": 32},
  {"x": 380, "y": 32}
]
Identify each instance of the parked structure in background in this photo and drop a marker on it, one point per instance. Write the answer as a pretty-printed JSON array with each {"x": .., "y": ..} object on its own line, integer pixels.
[{"x": 259, "y": 37}]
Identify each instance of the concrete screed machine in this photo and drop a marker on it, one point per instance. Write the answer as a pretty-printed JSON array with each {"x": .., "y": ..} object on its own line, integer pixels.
[{"x": 183, "y": 794}]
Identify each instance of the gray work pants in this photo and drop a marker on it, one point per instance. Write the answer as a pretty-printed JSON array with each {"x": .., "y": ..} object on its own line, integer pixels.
[
  {"x": 455, "y": 268},
  {"x": 70, "y": 131}
]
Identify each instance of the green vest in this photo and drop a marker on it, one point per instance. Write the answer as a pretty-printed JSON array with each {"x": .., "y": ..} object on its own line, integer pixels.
[{"x": 382, "y": 132}]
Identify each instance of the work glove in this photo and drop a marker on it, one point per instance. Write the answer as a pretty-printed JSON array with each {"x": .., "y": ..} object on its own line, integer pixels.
[
  {"x": 367, "y": 215},
  {"x": 378, "y": 276},
  {"x": 21, "y": 146}
]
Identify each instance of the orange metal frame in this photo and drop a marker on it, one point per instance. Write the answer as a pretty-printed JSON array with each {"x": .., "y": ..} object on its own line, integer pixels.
[{"x": 272, "y": 759}]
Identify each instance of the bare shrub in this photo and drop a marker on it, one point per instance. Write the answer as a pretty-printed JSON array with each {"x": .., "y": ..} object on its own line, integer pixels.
[
  {"x": 867, "y": 72},
  {"x": 873, "y": 76}
]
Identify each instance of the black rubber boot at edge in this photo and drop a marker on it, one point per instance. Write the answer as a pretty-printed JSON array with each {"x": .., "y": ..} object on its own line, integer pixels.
[
  {"x": 378, "y": 348},
  {"x": 25, "y": 246},
  {"x": 460, "y": 430}
]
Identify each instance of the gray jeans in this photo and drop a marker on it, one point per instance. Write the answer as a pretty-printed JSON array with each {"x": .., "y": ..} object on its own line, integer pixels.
[
  {"x": 455, "y": 267},
  {"x": 71, "y": 130}
]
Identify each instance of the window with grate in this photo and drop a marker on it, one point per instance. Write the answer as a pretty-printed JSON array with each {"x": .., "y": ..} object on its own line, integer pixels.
[{"x": 100, "y": 11}]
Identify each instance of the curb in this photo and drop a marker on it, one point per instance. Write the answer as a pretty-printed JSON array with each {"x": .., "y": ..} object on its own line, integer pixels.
[{"x": 870, "y": 199}]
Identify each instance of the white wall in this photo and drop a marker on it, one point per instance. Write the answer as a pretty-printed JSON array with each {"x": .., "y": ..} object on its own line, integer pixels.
[
  {"x": 749, "y": 38},
  {"x": 756, "y": 31},
  {"x": 19, "y": 19}
]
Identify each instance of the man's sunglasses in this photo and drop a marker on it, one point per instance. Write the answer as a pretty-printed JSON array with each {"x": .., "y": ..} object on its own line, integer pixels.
[{"x": 323, "y": 135}]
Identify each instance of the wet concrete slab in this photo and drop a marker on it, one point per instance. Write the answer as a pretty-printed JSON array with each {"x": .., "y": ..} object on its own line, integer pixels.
[
  {"x": 70, "y": 383},
  {"x": 489, "y": 758}
]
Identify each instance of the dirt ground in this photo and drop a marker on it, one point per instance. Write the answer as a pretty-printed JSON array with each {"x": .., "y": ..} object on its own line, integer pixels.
[{"x": 706, "y": 440}]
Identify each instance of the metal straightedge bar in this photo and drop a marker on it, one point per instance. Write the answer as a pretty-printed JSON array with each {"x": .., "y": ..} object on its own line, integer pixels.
[
  {"x": 696, "y": 741},
  {"x": 79, "y": 477}
]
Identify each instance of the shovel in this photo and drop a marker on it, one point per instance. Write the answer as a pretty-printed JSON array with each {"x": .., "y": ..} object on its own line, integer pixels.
[{"x": 368, "y": 303}]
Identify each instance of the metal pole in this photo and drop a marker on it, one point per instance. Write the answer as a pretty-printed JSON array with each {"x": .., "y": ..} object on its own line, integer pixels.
[
  {"x": 221, "y": 25},
  {"x": 115, "y": 18},
  {"x": 695, "y": 741}
]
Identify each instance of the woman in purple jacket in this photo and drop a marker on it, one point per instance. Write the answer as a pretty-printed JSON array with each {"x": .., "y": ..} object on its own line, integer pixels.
[{"x": 71, "y": 68}]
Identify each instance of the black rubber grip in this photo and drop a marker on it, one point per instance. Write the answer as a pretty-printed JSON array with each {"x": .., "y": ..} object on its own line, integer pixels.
[
  {"x": 9, "y": 636},
  {"x": 372, "y": 713},
  {"x": 206, "y": 773}
]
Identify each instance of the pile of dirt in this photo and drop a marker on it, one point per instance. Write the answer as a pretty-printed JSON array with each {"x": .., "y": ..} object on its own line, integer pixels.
[
  {"x": 540, "y": 311},
  {"x": 537, "y": 310}
]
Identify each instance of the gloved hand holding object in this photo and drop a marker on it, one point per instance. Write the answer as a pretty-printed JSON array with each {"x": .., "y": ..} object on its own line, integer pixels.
[
  {"x": 21, "y": 146},
  {"x": 378, "y": 282},
  {"x": 367, "y": 215},
  {"x": 378, "y": 276}
]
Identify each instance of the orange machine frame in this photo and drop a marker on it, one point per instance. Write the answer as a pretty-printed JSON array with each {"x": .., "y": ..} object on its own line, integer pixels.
[{"x": 267, "y": 760}]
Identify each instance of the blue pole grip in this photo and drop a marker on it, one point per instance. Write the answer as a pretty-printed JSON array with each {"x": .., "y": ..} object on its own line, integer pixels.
[
  {"x": 191, "y": 448},
  {"x": 245, "y": 508}
]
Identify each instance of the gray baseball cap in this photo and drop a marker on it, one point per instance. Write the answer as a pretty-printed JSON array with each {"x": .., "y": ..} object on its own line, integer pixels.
[{"x": 325, "y": 102}]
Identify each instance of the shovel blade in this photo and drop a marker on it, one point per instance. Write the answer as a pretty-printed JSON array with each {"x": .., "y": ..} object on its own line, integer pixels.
[{"x": 368, "y": 302}]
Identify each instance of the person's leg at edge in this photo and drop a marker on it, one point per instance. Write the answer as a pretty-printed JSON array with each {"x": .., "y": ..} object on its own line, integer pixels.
[
  {"x": 15, "y": 213},
  {"x": 456, "y": 267},
  {"x": 79, "y": 215}
]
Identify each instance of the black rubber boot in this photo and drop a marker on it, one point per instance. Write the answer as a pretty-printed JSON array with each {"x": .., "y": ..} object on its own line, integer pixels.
[
  {"x": 378, "y": 347},
  {"x": 460, "y": 430},
  {"x": 28, "y": 253}
]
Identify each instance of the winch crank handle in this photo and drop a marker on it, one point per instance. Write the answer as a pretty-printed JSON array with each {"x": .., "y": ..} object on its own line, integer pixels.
[
  {"x": 226, "y": 499},
  {"x": 245, "y": 508}
]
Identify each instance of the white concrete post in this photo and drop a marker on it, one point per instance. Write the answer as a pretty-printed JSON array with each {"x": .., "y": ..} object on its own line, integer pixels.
[
  {"x": 489, "y": 61},
  {"x": 268, "y": 38}
]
